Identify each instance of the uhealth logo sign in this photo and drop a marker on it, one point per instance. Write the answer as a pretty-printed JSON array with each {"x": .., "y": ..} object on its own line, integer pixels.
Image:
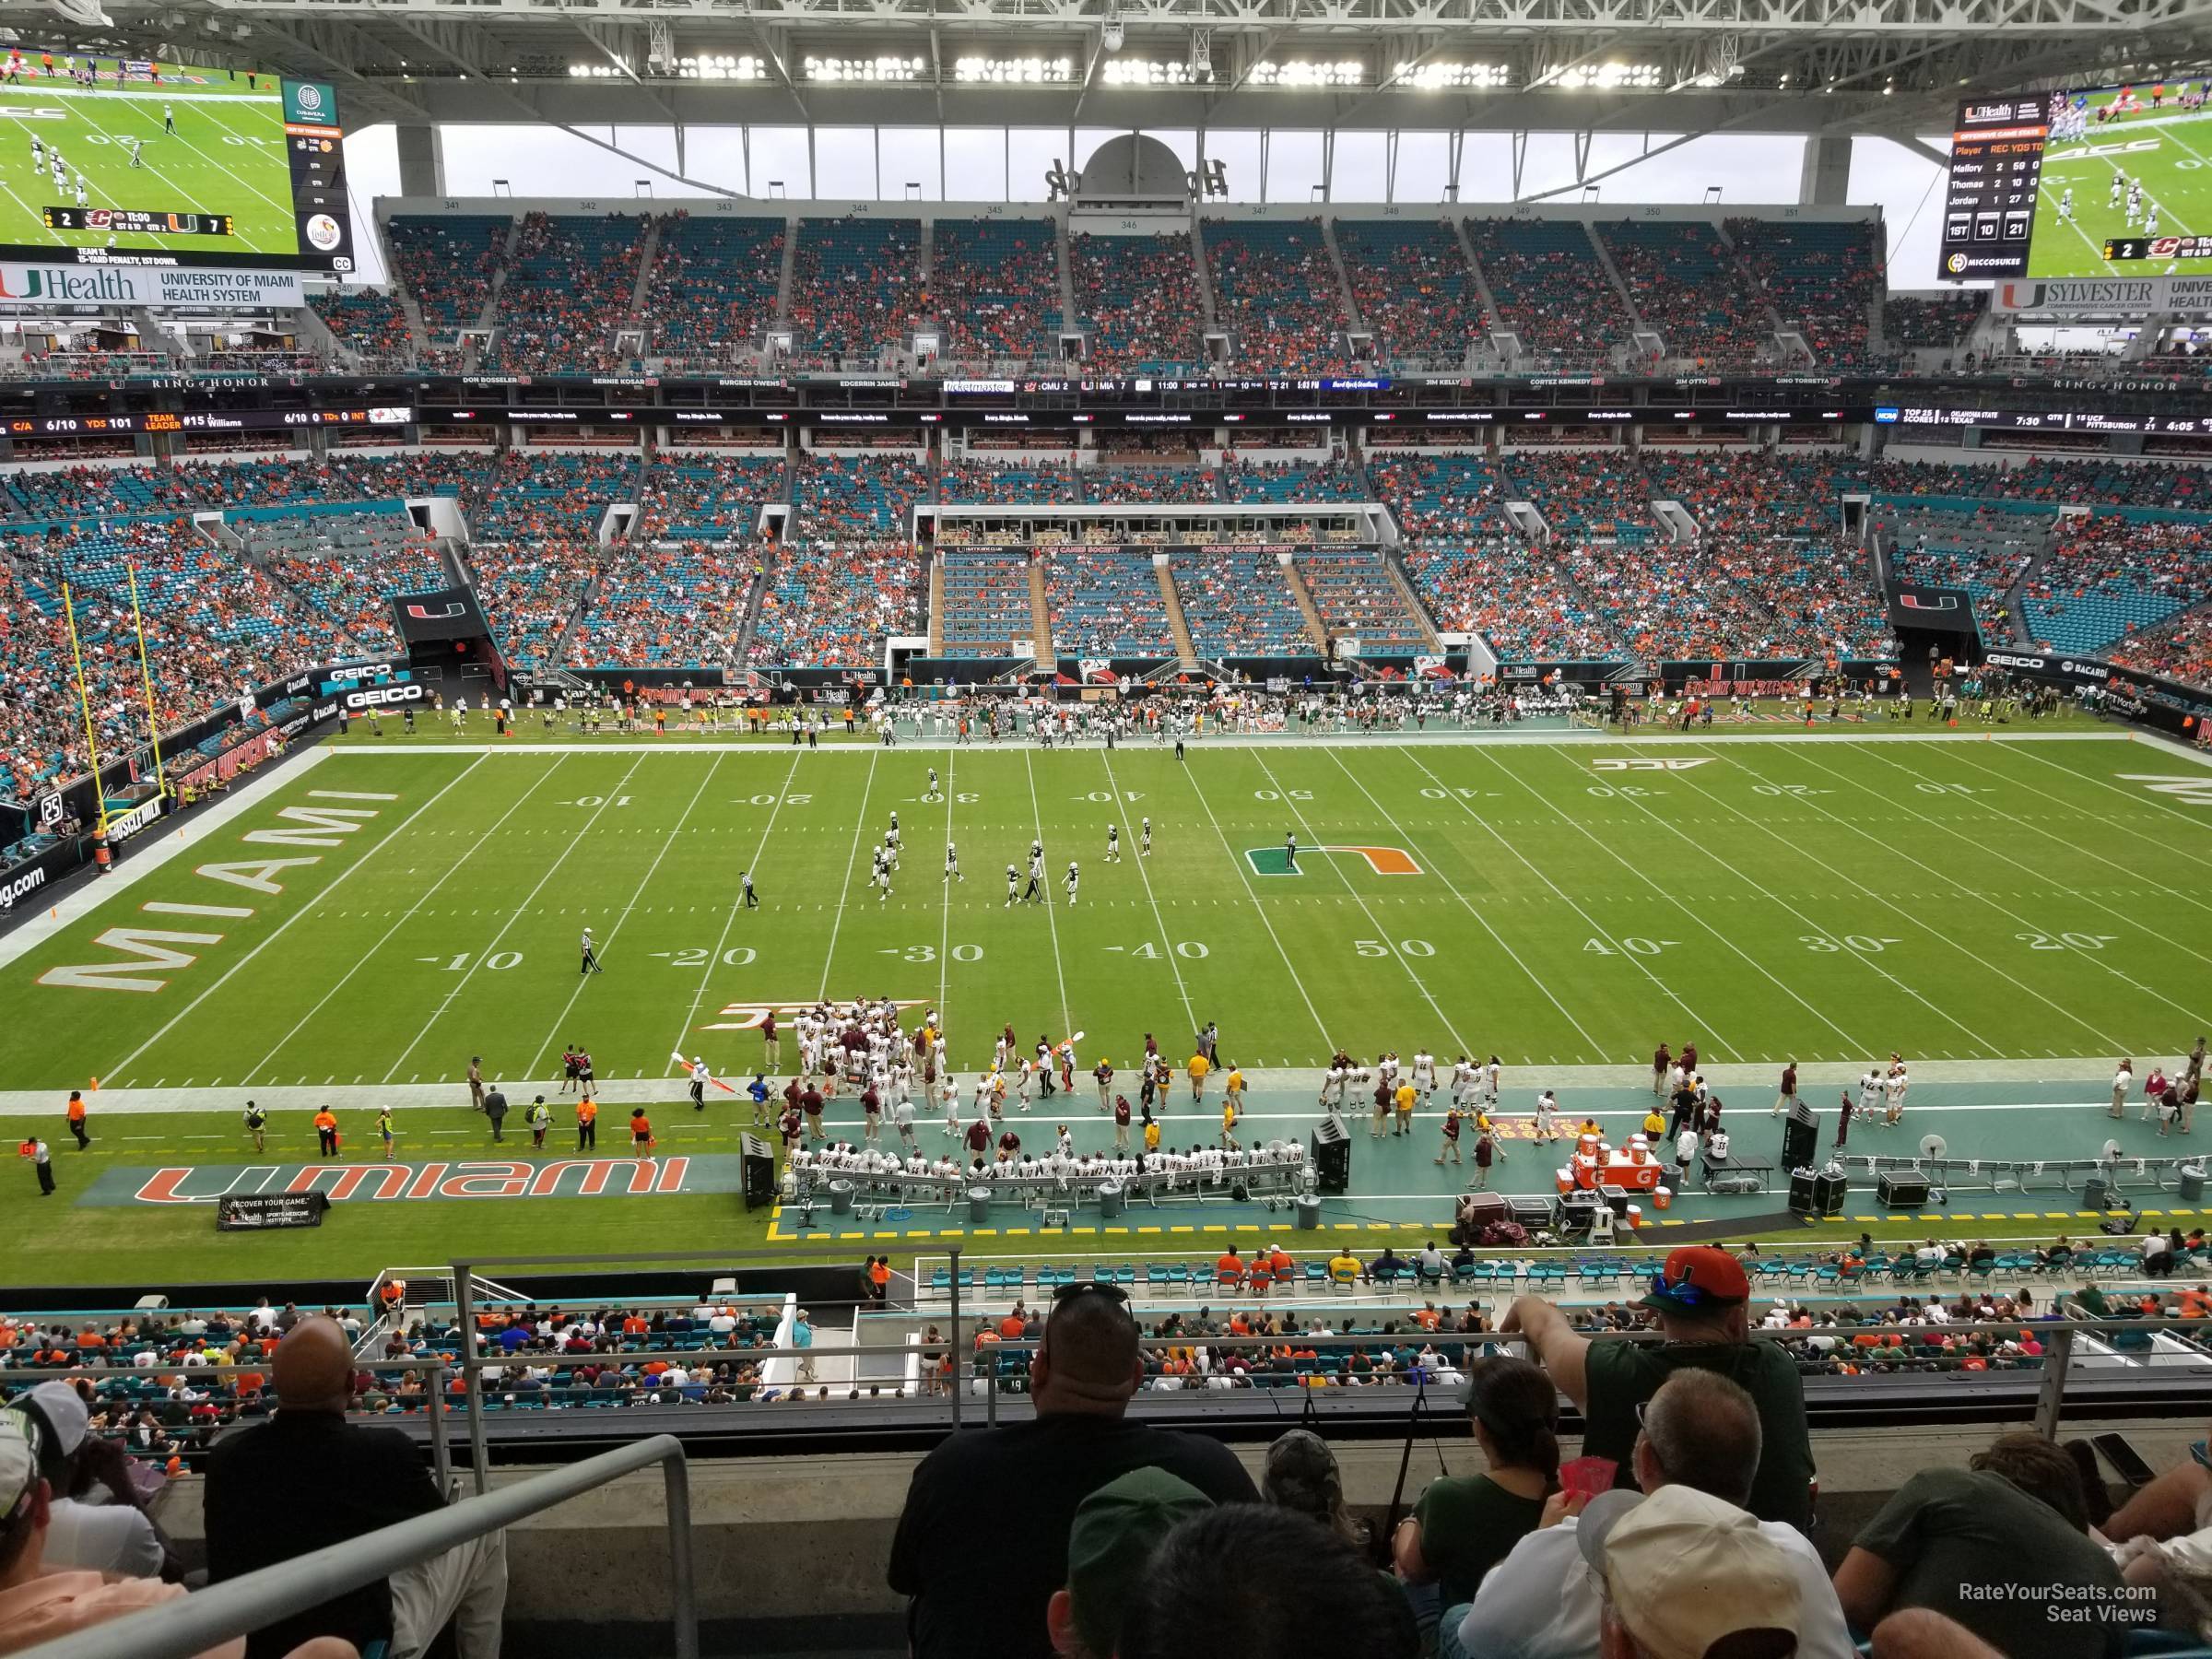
[{"x": 1382, "y": 861}]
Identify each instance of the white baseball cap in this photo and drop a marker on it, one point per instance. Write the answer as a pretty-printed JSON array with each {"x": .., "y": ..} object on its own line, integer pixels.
[{"x": 1684, "y": 1570}]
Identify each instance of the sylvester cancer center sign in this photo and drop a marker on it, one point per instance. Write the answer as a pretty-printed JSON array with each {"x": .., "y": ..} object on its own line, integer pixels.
[{"x": 403, "y": 1182}]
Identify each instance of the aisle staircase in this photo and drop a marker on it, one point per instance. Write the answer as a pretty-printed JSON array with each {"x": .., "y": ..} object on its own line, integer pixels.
[
  {"x": 1186, "y": 654},
  {"x": 1041, "y": 617},
  {"x": 1300, "y": 592}
]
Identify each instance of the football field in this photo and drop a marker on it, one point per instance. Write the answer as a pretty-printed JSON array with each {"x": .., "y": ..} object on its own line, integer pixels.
[
  {"x": 226, "y": 155},
  {"x": 2019, "y": 909},
  {"x": 2167, "y": 151}
]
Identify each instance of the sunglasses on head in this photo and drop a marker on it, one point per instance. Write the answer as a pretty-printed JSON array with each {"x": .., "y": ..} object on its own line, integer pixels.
[
  {"x": 1080, "y": 1288},
  {"x": 1683, "y": 1291}
]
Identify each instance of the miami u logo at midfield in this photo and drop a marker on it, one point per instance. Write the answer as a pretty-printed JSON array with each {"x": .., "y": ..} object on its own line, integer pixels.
[{"x": 1382, "y": 861}]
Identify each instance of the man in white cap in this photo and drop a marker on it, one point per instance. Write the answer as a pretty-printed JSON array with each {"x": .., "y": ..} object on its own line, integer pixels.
[
  {"x": 1684, "y": 1575},
  {"x": 1549, "y": 1600},
  {"x": 111, "y": 1537}
]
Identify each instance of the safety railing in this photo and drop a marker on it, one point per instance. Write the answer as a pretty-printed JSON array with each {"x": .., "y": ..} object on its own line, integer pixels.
[{"x": 179, "y": 1629}]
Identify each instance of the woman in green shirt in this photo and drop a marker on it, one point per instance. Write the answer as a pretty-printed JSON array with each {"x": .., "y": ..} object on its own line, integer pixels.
[{"x": 1464, "y": 1525}]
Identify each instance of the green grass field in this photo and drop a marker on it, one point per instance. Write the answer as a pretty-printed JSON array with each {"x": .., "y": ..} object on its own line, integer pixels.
[
  {"x": 227, "y": 156},
  {"x": 2035, "y": 904},
  {"x": 2168, "y": 151}
]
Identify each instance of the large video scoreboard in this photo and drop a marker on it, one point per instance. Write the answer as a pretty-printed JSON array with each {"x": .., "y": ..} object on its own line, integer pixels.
[{"x": 128, "y": 161}]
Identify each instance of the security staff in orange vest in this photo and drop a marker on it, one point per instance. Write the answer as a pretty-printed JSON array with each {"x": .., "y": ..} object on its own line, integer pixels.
[
  {"x": 77, "y": 1119},
  {"x": 326, "y": 1133},
  {"x": 587, "y": 1126}
]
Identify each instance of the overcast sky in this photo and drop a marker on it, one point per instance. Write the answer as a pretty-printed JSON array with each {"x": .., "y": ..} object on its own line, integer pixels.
[{"x": 1750, "y": 170}]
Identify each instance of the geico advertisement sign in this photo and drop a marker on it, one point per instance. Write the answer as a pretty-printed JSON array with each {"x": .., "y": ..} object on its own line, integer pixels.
[
  {"x": 380, "y": 697},
  {"x": 31, "y": 881}
]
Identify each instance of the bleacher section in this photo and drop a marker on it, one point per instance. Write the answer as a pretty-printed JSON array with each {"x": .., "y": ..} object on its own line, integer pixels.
[
  {"x": 1141, "y": 484},
  {"x": 446, "y": 262},
  {"x": 713, "y": 286},
  {"x": 1550, "y": 289},
  {"x": 708, "y": 499},
  {"x": 1138, "y": 300},
  {"x": 856, "y": 286},
  {"x": 348, "y": 563},
  {"x": 1238, "y": 604},
  {"x": 1584, "y": 495},
  {"x": 548, "y": 493},
  {"x": 2111, "y": 483},
  {"x": 1984, "y": 548},
  {"x": 368, "y": 321},
  {"x": 1821, "y": 278},
  {"x": 994, "y": 284},
  {"x": 1276, "y": 293},
  {"x": 658, "y": 607},
  {"x": 986, "y": 602},
  {"x": 1005, "y": 483},
  {"x": 1413, "y": 288},
  {"x": 848, "y": 575},
  {"x": 1688, "y": 288},
  {"x": 529, "y": 589},
  {"x": 1356, "y": 598},
  {"x": 1106, "y": 603},
  {"x": 2178, "y": 648},
  {"x": 1931, "y": 321},
  {"x": 1263, "y": 482},
  {"x": 2110, "y": 576},
  {"x": 571, "y": 281}
]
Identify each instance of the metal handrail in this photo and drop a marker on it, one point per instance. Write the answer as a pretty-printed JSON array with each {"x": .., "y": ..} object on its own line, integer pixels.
[{"x": 177, "y": 1629}]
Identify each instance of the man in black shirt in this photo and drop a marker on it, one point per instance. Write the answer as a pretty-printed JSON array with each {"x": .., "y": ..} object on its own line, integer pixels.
[
  {"x": 982, "y": 1542},
  {"x": 307, "y": 1478}
]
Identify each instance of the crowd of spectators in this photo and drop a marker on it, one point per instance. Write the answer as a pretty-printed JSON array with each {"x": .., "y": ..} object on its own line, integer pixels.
[
  {"x": 1821, "y": 278},
  {"x": 348, "y": 564},
  {"x": 856, "y": 285},
  {"x": 1106, "y": 603},
  {"x": 1776, "y": 492},
  {"x": 1983, "y": 549},
  {"x": 1358, "y": 598},
  {"x": 1138, "y": 298},
  {"x": 984, "y": 481},
  {"x": 1688, "y": 288},
  {"x": 848, "y": 574},
  {"x": 1263, "y": 482},
  {"x": 1238, "y": 602},
  {"x": 2103, "y": 481},
  {"x": 1142, "y": 484},
  {"x": 530, "y": 588},
  {"x": 1413, "y": 289},
  {"x": 985, "y": 603},
  {"x": 707, "y": 498},
  {"x": 571, "y": 281},
  {"x": 447, "y": 260},
  {"x": 713, "y": 284},
  {"x": 1589, "y": 495},
  {"x": 666, "y": 607},
  {"x": 1931, "y": 321},
  {"x": 1276, "y": 293},
  {"x": 370, "y": 321},
  {"x": 2110, "y": 576},
  {"x": 530, "y": 493},
  {"x": 1550, "y": 287},
  {"x": 2178, "y": 649},
  {"x": 994, "y": 284}
]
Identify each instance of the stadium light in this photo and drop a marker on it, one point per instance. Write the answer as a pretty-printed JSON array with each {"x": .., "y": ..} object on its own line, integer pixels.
[
  {"x": 1349, "y": 73},
  {"x": 1026, "y": 72},
  {"x": 1149, "y": 72},
  {"x": 887, "y": 68},
  {"x": 1613, "y": 77},
  {"x": 722, "y": 66},
  {"x": 1447, "y": 78}
]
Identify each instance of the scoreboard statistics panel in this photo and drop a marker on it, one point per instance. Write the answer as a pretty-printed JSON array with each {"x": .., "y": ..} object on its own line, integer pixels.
[
  {"x": 114, "y": 161},
  {"x": 2083, "y": 183}
]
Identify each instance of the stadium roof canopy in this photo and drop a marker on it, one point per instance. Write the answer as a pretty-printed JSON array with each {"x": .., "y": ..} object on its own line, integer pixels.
[{"x": 1839, "y": 66}]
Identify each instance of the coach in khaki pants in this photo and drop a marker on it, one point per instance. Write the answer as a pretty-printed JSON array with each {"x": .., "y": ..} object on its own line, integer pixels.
[{"x": 307, "y": 1478}]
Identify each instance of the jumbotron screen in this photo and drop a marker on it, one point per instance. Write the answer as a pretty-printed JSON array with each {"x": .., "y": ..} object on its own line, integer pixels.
[
  {"x": 2103, "y": 181},
  {"x": 107, "y": 161}
]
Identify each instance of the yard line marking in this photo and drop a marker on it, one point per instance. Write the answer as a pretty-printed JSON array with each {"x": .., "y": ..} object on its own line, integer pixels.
[
  {"x": 2060, "y": 887},
  {"x": 1145, "y": 876},
  {"x": 1398, "y": 956},
  {"x": 1595, "y": 1046},
  {"x": 860, "y": 821},
  {"x": 574, "y": 841},
  {"x": 222, "y": 166},
  {"x": 1237, "y": 860},
  {"x": 1983, "y": 1043},
  {"x": 122, "y": 1067},
  {"x": 2090, "y": 852},
  {"x": 1961, "y": 886},
  {"x": 1661, "y": 892},
  {"x": 2145, "y": 799},
  {"x": 1051, "y": 922},
  {"x": 668, "y": 840},
  {"x": 361, "y": 959},
  {"x": 952, "y": 772}
]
